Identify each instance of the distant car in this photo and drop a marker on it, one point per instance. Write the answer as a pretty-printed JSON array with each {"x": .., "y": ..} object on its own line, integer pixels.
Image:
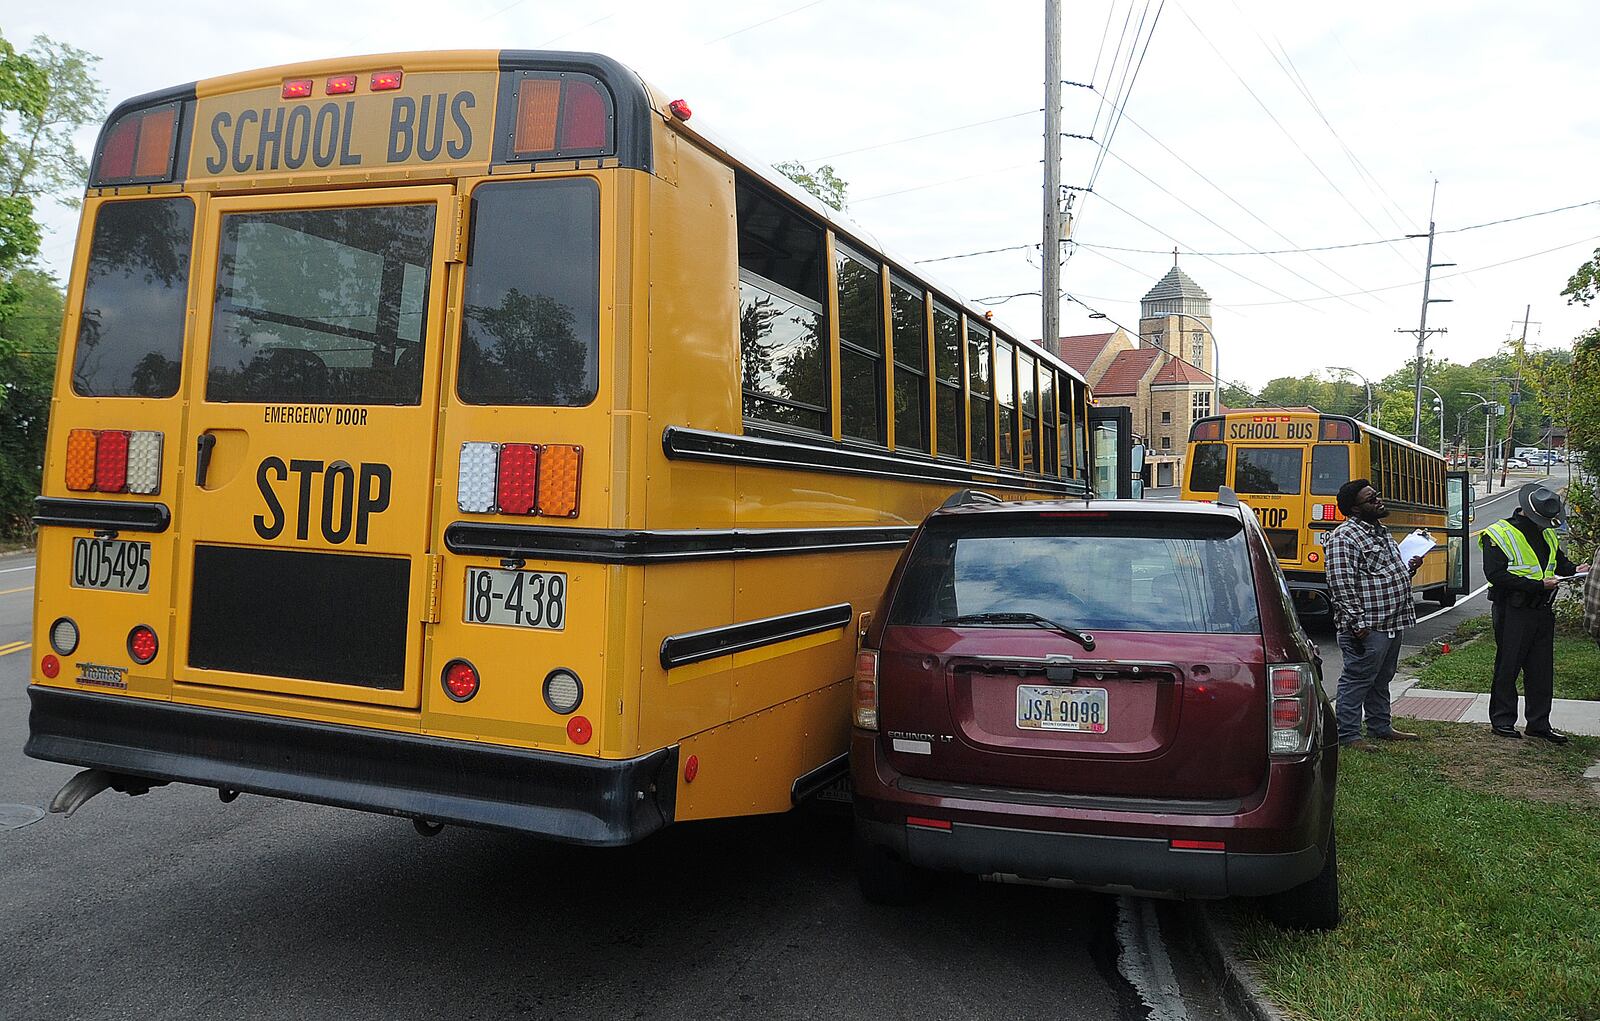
[
  {"x": 1515, "y": 464},
  {"x": 1105, "y": 694}
]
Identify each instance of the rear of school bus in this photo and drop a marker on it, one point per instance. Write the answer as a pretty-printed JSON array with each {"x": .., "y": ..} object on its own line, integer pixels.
[{"x": 344, "y": 434}]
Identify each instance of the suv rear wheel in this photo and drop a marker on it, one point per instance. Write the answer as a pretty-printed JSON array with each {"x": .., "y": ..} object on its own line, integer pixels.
[
  {"x": 1313, "y": 905},
  {"x": 884, "y": 878}
]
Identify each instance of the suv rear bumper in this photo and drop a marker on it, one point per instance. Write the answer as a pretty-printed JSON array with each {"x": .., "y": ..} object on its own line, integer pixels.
[
  {"x": 571, "y": 798},
  {"x": 1274, "y": 840},
  {"x": 1139, "y": 865}
]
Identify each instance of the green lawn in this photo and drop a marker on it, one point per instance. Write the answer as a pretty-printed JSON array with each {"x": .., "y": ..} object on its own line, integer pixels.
[
  {"x": 1470, "y": 667},
  {"x": 1470, "y": 873}
]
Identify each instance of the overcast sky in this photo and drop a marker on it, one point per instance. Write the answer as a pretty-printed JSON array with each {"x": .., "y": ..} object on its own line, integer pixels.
[{"x": 1301, "y": 126}]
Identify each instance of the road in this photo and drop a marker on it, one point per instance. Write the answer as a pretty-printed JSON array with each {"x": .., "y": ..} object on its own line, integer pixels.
[{"x": 174, "y": 905}]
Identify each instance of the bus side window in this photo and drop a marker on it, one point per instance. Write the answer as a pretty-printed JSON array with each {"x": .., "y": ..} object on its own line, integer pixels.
[
  {"x": 1005, "y": 386},
  {"x": 782, "y": 333},
  {"x": 909, "y": 323},
  {"x": 861, "y": 414},
  {"x": 980, "y": 372},
  {"x": 948, "y": 429}
]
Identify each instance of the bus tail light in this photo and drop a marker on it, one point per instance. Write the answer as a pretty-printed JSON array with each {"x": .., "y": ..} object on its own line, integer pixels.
[
  {"x": 559, "y": 465},
  {"x": 1294, "y": 705},
  {"x": 64, "y": 636},
  {"x": 1326, "y": 512},
  {"x": 142, "y": 644},
  {"x": 866, "y": 689},
  {"x": 460, "y": 680},
  {"x": 114, "y": 461},
  {"x": 563, "y": 692},
  {"x": 520, "y": 478}
]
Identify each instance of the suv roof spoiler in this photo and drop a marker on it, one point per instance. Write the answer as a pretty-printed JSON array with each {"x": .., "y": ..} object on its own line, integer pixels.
[
  {"x": 967, "y": 498},
  {"x": 1226, "y": 497}
]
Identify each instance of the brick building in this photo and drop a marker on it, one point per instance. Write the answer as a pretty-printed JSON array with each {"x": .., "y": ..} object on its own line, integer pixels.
[{"x": 1166, "y": 377}]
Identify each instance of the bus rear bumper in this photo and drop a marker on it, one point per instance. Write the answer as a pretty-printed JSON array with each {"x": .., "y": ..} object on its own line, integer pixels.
[{"x": 570, "y": 798}]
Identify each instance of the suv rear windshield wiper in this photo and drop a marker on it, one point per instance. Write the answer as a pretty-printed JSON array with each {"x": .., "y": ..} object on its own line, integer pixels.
[{"x": 1085, "y": 640}]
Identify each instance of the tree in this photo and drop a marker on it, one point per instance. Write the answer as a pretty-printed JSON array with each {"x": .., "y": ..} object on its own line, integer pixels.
[
  {"x": 822, "y": 182},
  {"x": 46, "y": 95}
]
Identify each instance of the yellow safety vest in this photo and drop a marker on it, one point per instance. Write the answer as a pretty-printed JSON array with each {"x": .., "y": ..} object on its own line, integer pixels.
[{"x": 1523, "y": 562}]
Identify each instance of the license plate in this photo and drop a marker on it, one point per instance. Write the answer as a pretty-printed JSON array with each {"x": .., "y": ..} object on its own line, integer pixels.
[
  {"x": 1051, "y": 708},
  {"x": 120, "y": 565},
  {"x": 531, "y": 599},
  {"x": 1320, "y": 536}
]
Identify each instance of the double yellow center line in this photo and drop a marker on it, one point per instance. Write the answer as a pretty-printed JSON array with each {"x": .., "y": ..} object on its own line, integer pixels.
[{"x": 10, "y": 647}]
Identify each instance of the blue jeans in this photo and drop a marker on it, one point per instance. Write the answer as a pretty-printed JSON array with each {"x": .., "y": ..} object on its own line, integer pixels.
[{"x": 1369, "y": 665}]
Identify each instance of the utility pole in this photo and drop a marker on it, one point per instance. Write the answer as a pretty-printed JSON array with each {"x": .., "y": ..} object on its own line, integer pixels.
[
  {"x": 1422, "y": 333},
  {"x": 1516, "y": 392},
  {"x": 1050, "y": 292}
]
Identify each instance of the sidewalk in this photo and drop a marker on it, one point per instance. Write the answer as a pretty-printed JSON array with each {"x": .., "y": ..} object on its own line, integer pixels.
[{"x": 1572, "y": 716}]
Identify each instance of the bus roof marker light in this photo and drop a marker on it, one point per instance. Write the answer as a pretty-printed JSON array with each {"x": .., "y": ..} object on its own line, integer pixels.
[
  {"x": 298, "y": 88},
  {"x": 386, "y": 81},
  {"x": 475, "y": 483},
  {"x": 341, "y": 85},
  {"x": 680, "y": 109}
]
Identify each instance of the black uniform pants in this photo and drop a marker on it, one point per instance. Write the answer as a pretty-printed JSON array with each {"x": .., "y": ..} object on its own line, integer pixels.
[{"x": 1524, "y": 638}]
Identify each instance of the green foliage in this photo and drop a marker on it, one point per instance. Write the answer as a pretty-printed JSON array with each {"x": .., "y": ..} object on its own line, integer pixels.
[
  {"x": 1585, "y": 283},
  {"x": 1470, "y": 667},
  {"x": 51, "y": 93},
  {"x": 821, "y": 182},
  {"x": 30, "y": 318}
]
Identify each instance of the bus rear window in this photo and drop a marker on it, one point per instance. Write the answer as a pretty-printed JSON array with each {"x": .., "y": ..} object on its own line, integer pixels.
[
  {"x": 1209, "y": 469},
  {"x": 130, "y": 335},
  {"x": 322, "y": 306},
  {"x": 1267, "y": 470},
  {"x": 1330, "y": 468},
  {"x": 530, "y": 331},
  {"x": 1157, "y": 573}
]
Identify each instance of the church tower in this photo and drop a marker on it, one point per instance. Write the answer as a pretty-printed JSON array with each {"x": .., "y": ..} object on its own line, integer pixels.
[{"x": 1175, "y": 316}]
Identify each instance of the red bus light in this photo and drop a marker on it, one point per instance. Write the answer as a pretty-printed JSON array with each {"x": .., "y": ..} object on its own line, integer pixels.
[
  {"x": 1206, "y": 431},
  {"x": 142, "y": 644},
  {"x": 341, "y": 85},
  {"x": 386, "y": 81},
  {"x": 111, "y": 461},
  {"x": 680, "y": 109},
  {"x": 583, "y": 117},
  {"x": 298, "y": 88},
  {"x": 460, "y": 680},
  {"x": 518, "y": 485}
]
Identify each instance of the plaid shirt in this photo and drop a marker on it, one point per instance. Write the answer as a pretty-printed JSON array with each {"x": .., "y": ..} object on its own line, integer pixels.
[
  {"x": 1369, "y": 583},
  {"x": 1591, "y": 600}
]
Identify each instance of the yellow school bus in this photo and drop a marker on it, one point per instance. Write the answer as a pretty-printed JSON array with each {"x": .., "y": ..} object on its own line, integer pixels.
[
  {"x": 469, "y": 437},
  {"x": 1288, "y": 467}
]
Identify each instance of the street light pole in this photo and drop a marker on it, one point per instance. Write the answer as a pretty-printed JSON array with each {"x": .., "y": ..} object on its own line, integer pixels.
[
  {"x": 1367, "y": 411},
  {"x": 1488, "y": 420},
  {"x": 1439, "y": 402}
]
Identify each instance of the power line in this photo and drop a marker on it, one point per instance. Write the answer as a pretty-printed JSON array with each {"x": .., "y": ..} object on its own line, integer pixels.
[
  {"x": 1274, "y": 118},
  {"x": 1444, "y": 276},
  {"x": 968, "y": 255},
  {"x": 768, "y": 21},
  {"x": 949, "y": 180}
]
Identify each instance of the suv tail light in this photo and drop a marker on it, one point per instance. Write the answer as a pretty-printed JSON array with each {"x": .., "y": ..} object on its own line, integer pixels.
[
  {"x": 866, "y": 689},
  {"x": 1294, "y": 707}
]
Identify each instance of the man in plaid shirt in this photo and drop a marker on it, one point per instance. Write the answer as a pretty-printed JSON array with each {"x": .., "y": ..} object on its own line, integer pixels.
[{"x": 1371, "y": 591}]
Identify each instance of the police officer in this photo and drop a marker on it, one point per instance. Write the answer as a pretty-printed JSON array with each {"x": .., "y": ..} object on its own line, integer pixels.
[{"x": 1522, "y": 561}]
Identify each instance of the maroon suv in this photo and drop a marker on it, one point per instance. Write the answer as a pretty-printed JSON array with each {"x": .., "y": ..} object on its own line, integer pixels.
[{"x": 1109, "y": 694}]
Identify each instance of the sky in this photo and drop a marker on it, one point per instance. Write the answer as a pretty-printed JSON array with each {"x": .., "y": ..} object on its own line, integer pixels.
[{"x": 1246, "y": 126}]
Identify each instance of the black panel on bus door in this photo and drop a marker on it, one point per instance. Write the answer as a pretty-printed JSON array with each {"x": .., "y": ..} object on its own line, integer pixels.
[{"x": 1111, "y": 447}]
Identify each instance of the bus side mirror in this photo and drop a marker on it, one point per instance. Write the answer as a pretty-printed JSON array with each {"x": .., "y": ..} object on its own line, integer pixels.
[{"x": 1136, "y": 465}]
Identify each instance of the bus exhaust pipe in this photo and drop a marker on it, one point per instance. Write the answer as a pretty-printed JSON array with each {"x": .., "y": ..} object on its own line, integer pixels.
[
  {"x": 91, "y": 782},
  {"x": 427, "y": 827}
]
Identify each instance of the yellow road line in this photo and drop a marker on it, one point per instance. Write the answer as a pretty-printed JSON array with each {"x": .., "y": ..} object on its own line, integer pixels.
[
  {"x": 6, "y": 650},
  {"x": 9, "y": 591}
]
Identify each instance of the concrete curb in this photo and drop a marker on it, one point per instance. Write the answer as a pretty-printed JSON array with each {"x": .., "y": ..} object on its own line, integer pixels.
[{"x": 1214, "y": 939}]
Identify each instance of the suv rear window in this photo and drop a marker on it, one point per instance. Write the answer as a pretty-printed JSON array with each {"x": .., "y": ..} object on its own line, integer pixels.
[
  {"x": 130, "y": 335},
  {"x": 1136, "y": 573}
]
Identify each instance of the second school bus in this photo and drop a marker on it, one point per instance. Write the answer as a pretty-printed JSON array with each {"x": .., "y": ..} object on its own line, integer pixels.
[
  {"x": 467, "y": 437},
  {"x": 1288, "y": 466}
]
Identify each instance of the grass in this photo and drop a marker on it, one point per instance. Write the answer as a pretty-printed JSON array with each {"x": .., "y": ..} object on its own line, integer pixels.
[
  {"x": 1470, "y": 875},
  {"x": 1470, "y": 666}
]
